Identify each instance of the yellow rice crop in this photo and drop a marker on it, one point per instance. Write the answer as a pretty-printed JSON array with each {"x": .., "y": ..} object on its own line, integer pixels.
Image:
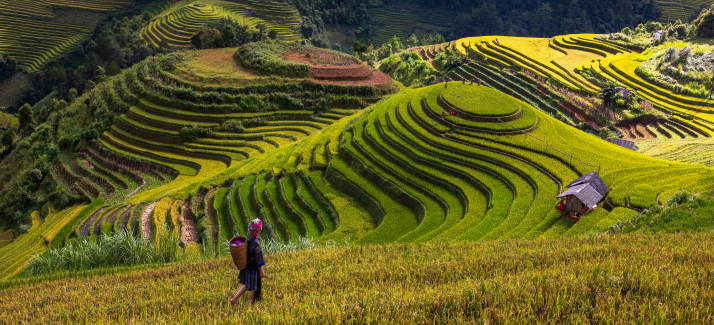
[{"x": 623, "y": 279}]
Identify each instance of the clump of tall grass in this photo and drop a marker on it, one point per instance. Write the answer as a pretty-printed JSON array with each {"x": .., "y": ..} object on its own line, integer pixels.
[
  {"x": 272, "y": 245},
  {"x": 118, "y": 249}
]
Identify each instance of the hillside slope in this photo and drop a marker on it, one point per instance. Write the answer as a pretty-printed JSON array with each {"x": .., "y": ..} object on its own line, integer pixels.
[
  {"x": 608, "y": 279},
  {"x": 446, "y": 162}
]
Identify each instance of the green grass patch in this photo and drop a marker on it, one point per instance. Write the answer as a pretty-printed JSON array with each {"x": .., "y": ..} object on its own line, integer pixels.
[{"x": 480, "y": 100}]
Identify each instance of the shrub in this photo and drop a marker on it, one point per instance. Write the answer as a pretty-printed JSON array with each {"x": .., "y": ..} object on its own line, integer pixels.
[
  {"x": 119, "y": 249},
  {"x": 679, "y": 198},
  {"x": 235, "y": 126},
  {"x": 266, "y": 58},
  {"x": 191, "y": 134},
  {"x": 705, "y": 25}
]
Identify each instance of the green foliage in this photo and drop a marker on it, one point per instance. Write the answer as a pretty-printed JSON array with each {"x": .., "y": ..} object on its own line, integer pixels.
[
  {"x": 266, "y": 58},
  {"x": 448, "y": 60},
  {"x": 705, "y": 25},
  {"x": 27, "y": 119},
  {"x": 679, "y": 198},
  {"x": 409, "y": 69},
  {"x": 191, "y": 134},
  {"x": 234, "y": 126},
  {"x": 8, "y": 138},
  {"x": 694, "y": 213},
  {"x": 110, "y": 250},
  {"x": 359, "y": 47}
]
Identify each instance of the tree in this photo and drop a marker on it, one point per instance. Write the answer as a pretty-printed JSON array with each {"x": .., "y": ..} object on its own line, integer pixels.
[
  {"x": 8, "y": 138},
  {"x": 359, "y": 47},
  {"x": 27, "y": 118},
  {"x": 705, "y": 25},
  {"x": 261, "y": 27},
  {"x": 228, "y": 35},
  {"x": 72, "y": 95},
  {"x": 396, "y": 43},
  {"x": 101, "y": 74},
  {"x": 412, "y": 41},
  {"x": 608, "y": 91},
  {"x": 89, "y": 86},
  {"x": 273, "y": 34},
  {"x": 113, "y": 69}
]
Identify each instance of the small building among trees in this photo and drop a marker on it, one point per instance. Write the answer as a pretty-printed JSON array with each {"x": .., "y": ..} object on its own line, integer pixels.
[{"x": 583, "y": 196}]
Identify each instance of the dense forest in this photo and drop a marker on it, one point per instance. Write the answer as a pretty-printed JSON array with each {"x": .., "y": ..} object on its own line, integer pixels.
[{"x": 474, "y": 18}]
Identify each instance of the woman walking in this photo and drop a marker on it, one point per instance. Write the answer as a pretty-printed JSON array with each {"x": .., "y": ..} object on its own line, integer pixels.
[{"x": 251, "y": 276}]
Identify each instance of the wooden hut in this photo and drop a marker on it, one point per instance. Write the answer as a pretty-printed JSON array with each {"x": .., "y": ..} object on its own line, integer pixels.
[{"x": 583, "y": 196}]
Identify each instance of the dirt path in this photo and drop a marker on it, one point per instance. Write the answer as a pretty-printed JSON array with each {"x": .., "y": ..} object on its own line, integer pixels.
[
  {"x": 146, "y": 221},
  {"x": 87, "y": 226},
  {"x": 143, "y": 182},
  {"x": 188, "y": 230}
]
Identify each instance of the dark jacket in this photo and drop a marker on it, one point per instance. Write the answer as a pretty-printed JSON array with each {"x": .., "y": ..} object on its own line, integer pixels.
[{"x": 255, "y": 255}]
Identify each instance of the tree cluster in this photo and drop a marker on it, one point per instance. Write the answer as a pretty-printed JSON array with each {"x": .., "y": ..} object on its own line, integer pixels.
[
  {"x": 542, "y": 18},
  {"x": 230, "y": 33},
  {"x": 317, "y": 15},
  {"x": 8, "y": 66},
  {"x": 371, "y": 55},
  {"x": 114, "y": 45},
  {"x": 475, "y": 18}
]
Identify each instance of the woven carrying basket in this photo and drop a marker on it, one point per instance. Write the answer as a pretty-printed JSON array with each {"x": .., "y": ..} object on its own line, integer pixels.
[{"x": 239, "y": 253}]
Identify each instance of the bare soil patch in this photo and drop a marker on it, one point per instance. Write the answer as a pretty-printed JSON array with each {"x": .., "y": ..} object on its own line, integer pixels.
[
  {"x": 645, "y": 131},
  {"x": 188, "y": 230},
  {"x": 344, "y": 72},
  {"x": 636, "y": 132},
  {"x": 377, "y": 79},
  {"x": 146, "y": 221},
  {"x": 580, "y": 114},
  {"x": 297, "y": 58}
]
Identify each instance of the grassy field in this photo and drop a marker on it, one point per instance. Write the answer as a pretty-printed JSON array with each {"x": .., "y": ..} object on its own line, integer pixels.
[
  {"x": 634, "y": 278},
  {"x": 215, "y": 68}
]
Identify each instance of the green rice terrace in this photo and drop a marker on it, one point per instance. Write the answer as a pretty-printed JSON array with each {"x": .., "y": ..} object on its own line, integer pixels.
[
  {"x": 396, "y": 172},
  {"x": 36, "y": 42},
  {"x": 540, "y": 180},
  {"x": 42, "y": 8},
  {"x": 178, "y": 22}
]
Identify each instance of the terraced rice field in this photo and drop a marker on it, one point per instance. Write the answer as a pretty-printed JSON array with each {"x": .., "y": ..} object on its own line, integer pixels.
[
  {"x": 178, "y": 23},
  {"x": 541, "y": 56},
  {"x": 516, "y": 87},
  {"x": 41, "y": 8},
  {"x": 562, "y": 57},
  {"x": 142, "y": 156},
  {"x": 100, "y": 5},
  {"x": 489, "y": 169},
  {"x": 34, "y": 43},
  {"x": 400, "y": 23},
  {"x": 696, "y": 151},
  {"x": 680, "y": 10},
  {"x": 445, "y": 162},
  {"x": 7, "y": 120},
  {"x": 44, "y": 230}
]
